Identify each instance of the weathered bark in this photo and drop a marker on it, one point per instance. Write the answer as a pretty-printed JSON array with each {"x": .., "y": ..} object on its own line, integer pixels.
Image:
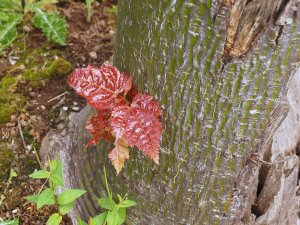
[{"x": 220, "y": 123}]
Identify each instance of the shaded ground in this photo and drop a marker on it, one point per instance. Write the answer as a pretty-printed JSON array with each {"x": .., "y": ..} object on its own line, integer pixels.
[{"x": 34, "y": 72}]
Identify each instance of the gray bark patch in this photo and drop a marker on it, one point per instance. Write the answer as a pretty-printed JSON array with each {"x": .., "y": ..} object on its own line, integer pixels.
[{"x": 273, "y": 182}]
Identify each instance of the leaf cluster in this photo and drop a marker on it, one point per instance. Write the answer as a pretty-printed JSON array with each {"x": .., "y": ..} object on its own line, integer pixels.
[
  {"x": 132, "y": 118},
  {"x": 11, "y": 14},
  {"x": 65, "y": 200},
  {"x": 114, "y": 213}
]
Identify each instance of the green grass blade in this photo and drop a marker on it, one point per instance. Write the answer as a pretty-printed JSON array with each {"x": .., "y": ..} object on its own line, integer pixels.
[{"x": 88, "y": 4}]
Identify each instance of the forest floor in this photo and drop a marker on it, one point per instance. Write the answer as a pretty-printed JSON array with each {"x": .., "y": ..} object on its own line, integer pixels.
[{"x": 31, "y": 104}]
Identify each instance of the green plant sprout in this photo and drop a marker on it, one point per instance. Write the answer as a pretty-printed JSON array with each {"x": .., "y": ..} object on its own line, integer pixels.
[
  {"x": 88, "y": 4},
  {"x": 9, "y": 222},
  {"x": 115, "y": 213},
  {"x": 64, "y": 201},
  {"x": 11, "y": 14}
]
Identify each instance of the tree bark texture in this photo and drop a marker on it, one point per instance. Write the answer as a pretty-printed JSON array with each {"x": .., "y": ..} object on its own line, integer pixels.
[{"x": 224, "y": 73}]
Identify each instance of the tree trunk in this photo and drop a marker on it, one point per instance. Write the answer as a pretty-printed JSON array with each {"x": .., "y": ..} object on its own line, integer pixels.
[{"x": 227, "y": 77}]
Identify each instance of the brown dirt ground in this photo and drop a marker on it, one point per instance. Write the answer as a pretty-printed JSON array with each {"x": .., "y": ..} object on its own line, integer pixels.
[{"x": 39, "y": 115}]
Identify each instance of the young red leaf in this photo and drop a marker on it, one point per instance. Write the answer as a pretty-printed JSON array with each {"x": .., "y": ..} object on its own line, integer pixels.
[
  {"x": 145, "y": 101},
  {"x": 143, "y": 129},
  {"x": 127, "y": 83},
  {"x": 101, "y": 86},
  {"x": 119, "y": 154},
  {"x": 119, "y": 120},
  {"x": 139, "y": 125},
  {"x": 99, "y": 127},
  {"x": 132, "y": 118}
]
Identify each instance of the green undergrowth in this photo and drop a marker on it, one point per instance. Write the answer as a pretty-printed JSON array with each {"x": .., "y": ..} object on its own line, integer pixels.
[
  {"x": 33, "y": 70},
  {"x": 10, "y": 102},
  {"x": 6, "y": 159}
]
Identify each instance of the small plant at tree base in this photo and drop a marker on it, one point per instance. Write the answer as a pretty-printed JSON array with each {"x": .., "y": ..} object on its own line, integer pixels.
[
  {"x": 88, "y": 4},
  {"x": 11, "y": 14},
  {"x": 64, "y": 201},
  {"x": 9, "y": 222},
  {"x": 115, "y": 213},
  {"x": 128, "y": 116}
]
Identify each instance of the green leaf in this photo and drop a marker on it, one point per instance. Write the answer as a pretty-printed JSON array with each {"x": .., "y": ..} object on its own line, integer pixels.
[
  {"x": 12, "y": 173},
  {"x": 56, "y": 173},
  {"x": 92, "y": 222},
  {"x": 121, "y": 215},
  {"x": 106, "y": 203},
  {"x": 10, "y": 222},
  {"x": 57, "y": 180},
  {"x": 81, "y": 222},
  {"x": 120, "y": 198},
  {"x": 10, "y": 6},
  {"x": 101, "y": 218},
  {"x": 8, "y": 29},
  {"x": 56, "y": 167},
  {"x": 127, "y": 203},
  {"x": 40, "y": 174},
  {"x": 32, "y": 198},
  {"x": 54, "y": 219},
  {"x": 69, "y": 196},
  {"x": 46, "y": 198},
  {"x": 112, "y": 218},
  {"x": 117, "y": 216},
  {"x": 64, "y": 209},
  {"x": 54, "y": 27}
]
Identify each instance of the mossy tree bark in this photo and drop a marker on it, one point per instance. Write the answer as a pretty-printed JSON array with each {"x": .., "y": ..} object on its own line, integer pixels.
[{"x": 222, "y": 160}]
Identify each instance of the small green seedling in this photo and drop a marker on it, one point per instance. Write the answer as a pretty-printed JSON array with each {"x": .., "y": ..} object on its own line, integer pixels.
[
  {"x": 115, "y": 213},
  {"x": 9, "y": 222},
  {"x": 88, "y": 4},
  {"x": 64, "y": 201}
]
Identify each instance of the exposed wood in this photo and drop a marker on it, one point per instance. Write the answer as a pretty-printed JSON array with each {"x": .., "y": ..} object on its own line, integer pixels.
[{"x": 249, "y": 19}]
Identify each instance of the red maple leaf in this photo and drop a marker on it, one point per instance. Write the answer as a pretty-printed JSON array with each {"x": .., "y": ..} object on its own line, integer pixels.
[
  {"x": 101, "y": 86},
  {"x": 145, "y": 101},
  {"x": 139, "y": 125},
  {"x": 99, "y": 127},
  {"x": 118, "y": 120},
  {"x": 143, "y": 130}
]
